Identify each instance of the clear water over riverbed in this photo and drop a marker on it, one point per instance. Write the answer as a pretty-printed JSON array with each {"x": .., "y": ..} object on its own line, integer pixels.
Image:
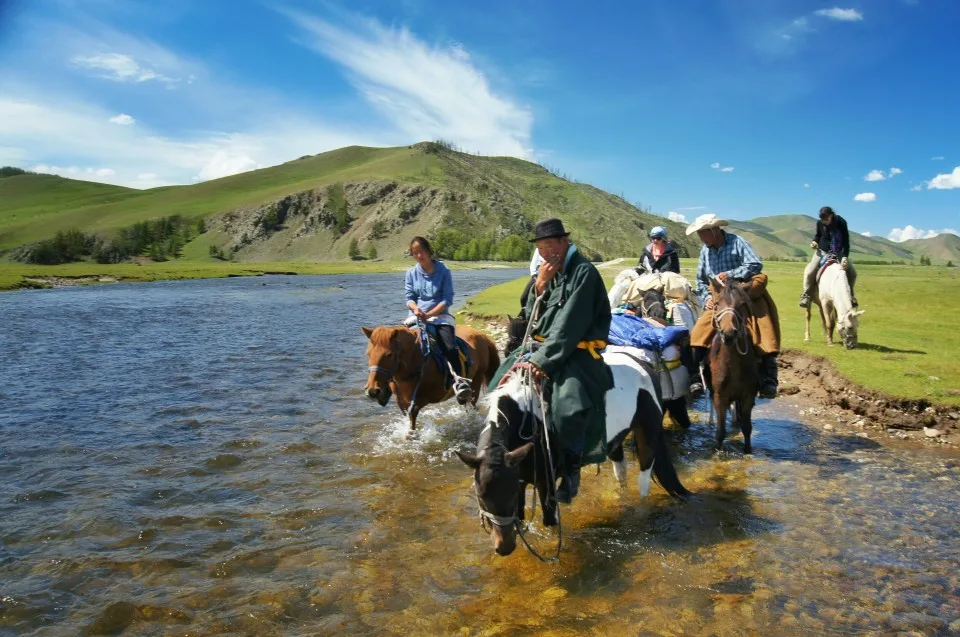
[{"x": 197, "y": 457}]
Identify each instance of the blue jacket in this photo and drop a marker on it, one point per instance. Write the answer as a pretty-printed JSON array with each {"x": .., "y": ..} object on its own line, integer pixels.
[{"x": 429, "y": 290}]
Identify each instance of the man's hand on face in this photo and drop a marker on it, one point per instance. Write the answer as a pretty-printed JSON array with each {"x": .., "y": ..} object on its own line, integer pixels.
[{"x": 548, "y": 270}]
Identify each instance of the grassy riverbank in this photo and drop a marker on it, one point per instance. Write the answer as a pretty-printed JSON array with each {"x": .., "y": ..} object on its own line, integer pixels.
[
  {"x": 909, "y": 333},
  {"x": 18, "y": 276}
]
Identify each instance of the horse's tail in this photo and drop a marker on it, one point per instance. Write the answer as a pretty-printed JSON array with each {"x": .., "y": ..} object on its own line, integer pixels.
[
  {"x": 664, "y": 471},
  {"x": 493, "y": 361}
]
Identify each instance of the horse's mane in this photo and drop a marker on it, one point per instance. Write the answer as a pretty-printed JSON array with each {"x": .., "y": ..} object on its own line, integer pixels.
[
  {"x": 382, "y": 336},
  {"x": 516, "y": 389},
  {"x": 734, "y": 295}
]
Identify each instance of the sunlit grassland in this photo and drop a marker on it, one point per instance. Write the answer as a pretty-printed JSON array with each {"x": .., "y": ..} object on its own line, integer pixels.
[{"x": 909, "y": 334}]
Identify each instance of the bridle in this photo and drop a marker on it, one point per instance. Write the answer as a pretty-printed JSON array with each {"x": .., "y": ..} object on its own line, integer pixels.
[
  {"x": 538, "y": 436},
  {"x": 739, "y": 325}
]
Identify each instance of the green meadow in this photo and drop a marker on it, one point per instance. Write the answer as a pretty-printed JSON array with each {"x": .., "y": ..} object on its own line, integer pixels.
[{"x": 909, "y": 334}]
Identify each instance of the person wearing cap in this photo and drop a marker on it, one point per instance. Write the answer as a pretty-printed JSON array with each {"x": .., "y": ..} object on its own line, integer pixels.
[
  {"x": 832, "y": 237},
  {"x": 659, "y": 255},
  {"x": 570, "y": 325},
  {"x": 728, "y": 257}
]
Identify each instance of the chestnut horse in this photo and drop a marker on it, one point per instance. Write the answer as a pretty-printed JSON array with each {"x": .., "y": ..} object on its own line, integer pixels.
[
  {"x": 398, "y": 367},
  {"x": 734, "y": 377}
]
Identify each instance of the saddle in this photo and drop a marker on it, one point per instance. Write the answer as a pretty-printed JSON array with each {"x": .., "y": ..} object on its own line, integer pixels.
[
  {"x": 432, "y": 348},
  {"x": 826, "y": 264}
]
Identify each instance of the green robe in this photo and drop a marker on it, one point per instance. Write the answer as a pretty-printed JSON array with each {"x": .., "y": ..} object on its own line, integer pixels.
[{"x": 574, "y": 309}]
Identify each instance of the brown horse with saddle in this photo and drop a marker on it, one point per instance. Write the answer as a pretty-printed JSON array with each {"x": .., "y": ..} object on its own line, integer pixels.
[{"x": 398, "y": 366}]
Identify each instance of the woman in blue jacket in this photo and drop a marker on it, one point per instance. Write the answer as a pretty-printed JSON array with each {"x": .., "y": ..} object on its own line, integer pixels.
[{"x": 429, "y": 290}]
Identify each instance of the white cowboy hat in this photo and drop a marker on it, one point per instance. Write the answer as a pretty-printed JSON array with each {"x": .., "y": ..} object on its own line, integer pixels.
[{"x": 705, "y": 222}]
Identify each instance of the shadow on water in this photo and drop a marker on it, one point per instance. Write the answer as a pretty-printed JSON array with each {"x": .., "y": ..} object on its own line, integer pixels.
[
  {"x": 603, "y": 545},
  {"x": 883, "y": 349}
]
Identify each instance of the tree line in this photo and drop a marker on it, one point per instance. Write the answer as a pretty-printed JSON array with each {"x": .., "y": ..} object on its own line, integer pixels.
[{"x": 160, "y": 239}]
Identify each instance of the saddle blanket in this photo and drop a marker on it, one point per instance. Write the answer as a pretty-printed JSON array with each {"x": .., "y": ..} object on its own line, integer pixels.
[
  {"x": 673, "y": 377},
  {"x": 823, "y": 266},
  {"x": 627, "y": 329}
]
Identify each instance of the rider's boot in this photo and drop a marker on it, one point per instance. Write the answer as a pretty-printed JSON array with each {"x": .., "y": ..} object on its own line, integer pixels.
[
  {"x": 804, "y": 300},
  {"x": 570, "y": 478},
  {"x": 768, "y": 376},
  {"x": 696, "y": 380}
]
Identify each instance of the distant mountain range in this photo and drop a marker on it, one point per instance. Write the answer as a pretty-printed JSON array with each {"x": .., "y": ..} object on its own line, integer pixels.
[
  {"x": 788, "y": 236},
  {"x": 317, "y": 207}
]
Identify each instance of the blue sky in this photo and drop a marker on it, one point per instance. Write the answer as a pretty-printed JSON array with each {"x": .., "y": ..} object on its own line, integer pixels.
[{"x": 745, "y": 108}]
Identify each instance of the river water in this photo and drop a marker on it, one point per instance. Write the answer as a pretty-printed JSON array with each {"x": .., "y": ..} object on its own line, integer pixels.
[{"x": 198, "y": 458}]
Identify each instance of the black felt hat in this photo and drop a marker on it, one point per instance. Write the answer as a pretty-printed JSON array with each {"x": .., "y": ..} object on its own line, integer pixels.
[{"x": 547, "y": 229}]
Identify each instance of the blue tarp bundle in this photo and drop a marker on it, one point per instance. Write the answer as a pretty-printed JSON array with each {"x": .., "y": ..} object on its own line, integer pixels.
[{"x": 627, "y": 329}]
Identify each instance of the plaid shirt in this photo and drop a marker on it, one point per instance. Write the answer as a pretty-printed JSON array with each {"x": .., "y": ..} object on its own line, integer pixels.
[{"x": 735, "y": 257}]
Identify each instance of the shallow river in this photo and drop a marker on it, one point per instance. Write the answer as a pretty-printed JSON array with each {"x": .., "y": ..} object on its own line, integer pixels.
[{"x": 198, "y": 458}]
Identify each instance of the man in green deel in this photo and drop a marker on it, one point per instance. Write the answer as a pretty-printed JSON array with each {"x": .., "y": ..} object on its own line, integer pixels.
[{"x": 570, "y": 327}]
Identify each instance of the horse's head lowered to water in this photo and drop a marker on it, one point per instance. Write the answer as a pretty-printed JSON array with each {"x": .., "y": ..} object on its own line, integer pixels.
[{"x": 503, "y": 464}]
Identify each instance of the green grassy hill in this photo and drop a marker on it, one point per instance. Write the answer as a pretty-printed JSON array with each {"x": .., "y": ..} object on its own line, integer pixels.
[
  {"x": 314, "y": 207},
  {"x": 388, "y": 195},
  {"x": 943, "y": 247}
]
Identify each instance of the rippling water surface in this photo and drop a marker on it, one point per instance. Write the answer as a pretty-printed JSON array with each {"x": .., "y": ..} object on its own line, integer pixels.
[{"x": 197, "y": 458}]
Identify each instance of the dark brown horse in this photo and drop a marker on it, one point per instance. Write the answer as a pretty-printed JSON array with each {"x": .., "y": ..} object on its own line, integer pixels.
[
  {"x": 734, "y": 377},
  {"x": 398, "y": 367}
]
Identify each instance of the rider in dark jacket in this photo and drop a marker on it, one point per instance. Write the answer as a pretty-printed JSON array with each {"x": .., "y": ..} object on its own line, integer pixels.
[
  {"x": 659, "y": 255},
  {"x": 832, "y": 237}
]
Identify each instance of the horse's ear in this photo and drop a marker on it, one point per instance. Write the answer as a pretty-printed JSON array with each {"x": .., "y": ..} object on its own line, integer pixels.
[
  {"x": 366, "y": 331},
  {"x": 469, "y": 459},
  {"x": 515, "y": 457},
  {"x": 859, "y": 312},
  {"x": 715, "y": 285}
]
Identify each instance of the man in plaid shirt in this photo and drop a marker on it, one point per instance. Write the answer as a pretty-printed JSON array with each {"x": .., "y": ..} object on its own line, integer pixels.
[{"x": 728, "y": 256}]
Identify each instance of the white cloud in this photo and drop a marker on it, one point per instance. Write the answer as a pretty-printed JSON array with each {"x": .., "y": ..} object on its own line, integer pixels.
[
  {"x": 121, "y": 68},
  {"x": 945, "y": 181},
  {"x": 715, "y": 164},
  {"x": 917, "y": 188},
  {"x": 867, "y": 233},
  {"x": 894, "y": 171},
  {"x": 73, "y": 171},
  {"x": 806, "y": 185},
  {"x": 937, "y": 158},
  {"x": 865, "y": 196},
  {"x": 844, "y": 15},
  {"x": 909, "y": 232},
  {"x": 726, "y": 169},
  {"x": 57, "y": 129},
  {"x": 123, "y": 119},
  {"x": 427, "y": 91},
  {"x": 875, "y": 175},
  {"x": 225, "y": 163},
  {"x": 676, "y": 216}
]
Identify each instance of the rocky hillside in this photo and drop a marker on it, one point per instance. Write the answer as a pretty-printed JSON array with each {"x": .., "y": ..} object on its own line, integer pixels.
[{"x": 469, "y": 197}]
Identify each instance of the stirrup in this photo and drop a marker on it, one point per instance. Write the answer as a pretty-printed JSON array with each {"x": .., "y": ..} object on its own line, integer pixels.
[
  {"x": 768, "y": 391},
  {"x": 462, "y": 389}
]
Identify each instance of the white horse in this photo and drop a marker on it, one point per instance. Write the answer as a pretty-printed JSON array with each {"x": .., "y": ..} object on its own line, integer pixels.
[{"x": 835, "y": 301}]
